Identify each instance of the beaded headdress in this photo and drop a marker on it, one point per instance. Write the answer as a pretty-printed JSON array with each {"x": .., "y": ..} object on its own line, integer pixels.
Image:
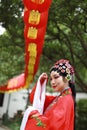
[{"x": 64, "y": 68}]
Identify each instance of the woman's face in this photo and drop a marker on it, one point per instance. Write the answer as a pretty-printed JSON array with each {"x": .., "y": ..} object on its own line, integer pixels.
[{"x": 57, "y": 82}]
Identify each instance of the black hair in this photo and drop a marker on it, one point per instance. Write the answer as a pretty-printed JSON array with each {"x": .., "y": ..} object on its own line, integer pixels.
[
  {"x": 72, "y": 86},
  {"x": 58, "y": 71}
]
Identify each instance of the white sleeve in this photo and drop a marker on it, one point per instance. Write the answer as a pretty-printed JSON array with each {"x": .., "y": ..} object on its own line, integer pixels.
[
  {"x": 38, "y": 103},
  {"x": 39, "y": 96},
  {"x": 25, "y": 117}
]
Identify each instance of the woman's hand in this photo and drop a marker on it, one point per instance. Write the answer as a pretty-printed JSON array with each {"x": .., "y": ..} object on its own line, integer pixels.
[{"x": 42, "y": 77}]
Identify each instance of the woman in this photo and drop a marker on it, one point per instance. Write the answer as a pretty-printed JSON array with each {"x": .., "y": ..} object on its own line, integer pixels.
[{"x": 52, "y": 112}]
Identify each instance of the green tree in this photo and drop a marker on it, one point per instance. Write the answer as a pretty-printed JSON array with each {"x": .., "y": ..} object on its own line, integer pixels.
[
  {"x": 12, "y": 41},
  {"x": 67, "y": 35}
]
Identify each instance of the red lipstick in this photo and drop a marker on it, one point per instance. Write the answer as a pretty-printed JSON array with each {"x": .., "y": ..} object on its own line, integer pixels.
[{"x": 54, "y": 86}]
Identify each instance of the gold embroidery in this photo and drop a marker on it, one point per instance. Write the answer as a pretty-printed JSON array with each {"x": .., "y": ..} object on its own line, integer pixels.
[
  {"x": 38, "y": 1},
  {"x": 30, "y": 69},
  {"x": 33, "y": 53},
  {"x": 29, "y": 78},
  {"x": 39, "y": 122},
  {"x": 32, "y": 48},
  {"x": 32, "y": 60},
  {"x": 27, "y": 83},
  {"x": 32, "y": 33},
  {"x": 34, "y": 17},
  {"x": 66, "y": 93}
]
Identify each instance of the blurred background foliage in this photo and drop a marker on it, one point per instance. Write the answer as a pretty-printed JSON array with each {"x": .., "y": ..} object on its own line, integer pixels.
[
  {"x": 66, "y": 37},
  {"x": 81, "y": 115}
]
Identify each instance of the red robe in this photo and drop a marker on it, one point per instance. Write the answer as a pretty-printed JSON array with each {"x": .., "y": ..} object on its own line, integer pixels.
[{"x": 58, "y": 113}]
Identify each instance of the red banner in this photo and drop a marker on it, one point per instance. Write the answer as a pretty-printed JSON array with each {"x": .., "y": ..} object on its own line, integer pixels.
[
  {"x": 14, "y": 84},
  {"x": 35, "y": 21}
]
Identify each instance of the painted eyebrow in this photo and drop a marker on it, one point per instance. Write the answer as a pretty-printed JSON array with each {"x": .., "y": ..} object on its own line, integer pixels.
[{"x": 54, "y": 75}]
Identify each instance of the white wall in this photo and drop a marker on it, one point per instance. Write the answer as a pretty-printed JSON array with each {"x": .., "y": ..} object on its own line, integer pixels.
[
  {"x": 81, "y": 96},
  {"x": 17, "y": 102},
  {"x": 3, "y": 109}
]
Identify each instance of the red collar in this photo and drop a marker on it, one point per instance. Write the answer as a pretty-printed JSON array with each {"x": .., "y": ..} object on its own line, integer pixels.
[{"x": 66, "y": 92}]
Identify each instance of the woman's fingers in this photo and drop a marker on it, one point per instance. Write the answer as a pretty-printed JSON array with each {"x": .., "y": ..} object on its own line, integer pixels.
[{"x": 43, "y": 76}]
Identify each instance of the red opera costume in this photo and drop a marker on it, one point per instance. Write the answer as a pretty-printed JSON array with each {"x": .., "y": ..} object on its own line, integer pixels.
[
  {"x": 52, "y": 112},
  {"x": 59, "y": 115}
]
